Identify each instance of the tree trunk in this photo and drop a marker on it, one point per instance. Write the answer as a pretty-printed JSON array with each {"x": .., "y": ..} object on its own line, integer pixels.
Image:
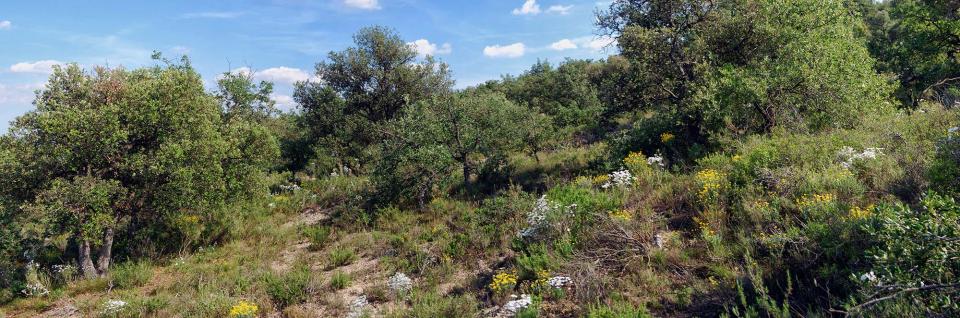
[
  {"x": 86, "y": 263},
  {"x": 106, "y": 251},
  {"x": 466, "y": 176}
]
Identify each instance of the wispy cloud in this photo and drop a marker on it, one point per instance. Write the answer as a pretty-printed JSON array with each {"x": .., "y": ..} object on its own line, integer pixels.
[
  {"x": 5, "y": 25},
  {"x": 529, "y": 7},
  {"x": 560, "y": 9},
  {"x": 212, "y": 15},
  {"x": 38, "y": 67},
  {"x": 565, "y": 44},
  {"x": 424, "y": 47},
  {"x": 506, "y": 51},
  {"x": 363, "y": 4},
  {"x": 281, "y": 74}
]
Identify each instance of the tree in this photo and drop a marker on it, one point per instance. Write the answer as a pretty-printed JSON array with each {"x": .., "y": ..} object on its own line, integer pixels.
[
  {"x": 745, "y": 66},
  {"x": 468, "y": 129},
  {"x": 364, "y": 87},
  {"x": 921, "y": 45},
  {"x": 239, "y": 96},
  {"x": 145, "y": 153}
]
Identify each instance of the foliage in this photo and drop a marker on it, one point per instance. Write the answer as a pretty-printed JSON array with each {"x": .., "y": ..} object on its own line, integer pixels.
[
  {"x": 363, "y": 87},
  {"x": 289, "y": 288},
  {"x": 474, "y": 130},
  {"x": 131, "y": 274},
  {"x": 914, "y": 258}
]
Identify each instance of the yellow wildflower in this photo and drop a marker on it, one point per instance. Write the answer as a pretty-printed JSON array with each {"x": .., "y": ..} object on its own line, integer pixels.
[
  {"x": 503, "y": 282},
  {"x": 815, "y": 200},
  {"x": 635, "y": 159},
  {"x": 622, "y": 215},
  {"x": 857, "y": 213},
  {"x": 666, "y": 137},
  {"x": 243, "y": 309},
  {"x": 601, "y": 179},
  {"x": 710, "y": 183}
]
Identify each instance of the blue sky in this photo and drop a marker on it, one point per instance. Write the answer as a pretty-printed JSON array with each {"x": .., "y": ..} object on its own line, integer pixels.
[{"x": 281, "y": 40}]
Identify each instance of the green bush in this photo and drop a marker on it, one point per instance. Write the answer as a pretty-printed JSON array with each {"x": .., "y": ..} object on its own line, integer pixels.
[
  {"x": 619, "y": 309},
  {"x": 341, "y": 256},
  {"x": 339, "y": 280},
  {"x": 131, "y": 274},
  {"x": 290, "y": 288},
  {"x": 318, "y": 235},
  {"x": 431, "y": 304}
]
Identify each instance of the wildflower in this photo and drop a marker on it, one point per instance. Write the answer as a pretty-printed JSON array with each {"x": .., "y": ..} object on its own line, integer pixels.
[
  {"x": 660, "y": 240},
  {"x": 35, "y": 289},
  {"x": 713, "y": 281},
  {"x": 400, "y": 283},
  {"x": 357, "y": 306},
  {"x": 537, "y": 218},
  {"x": 634, "y": 159},
  {"x": 622, "y": 215},
  {"x": 705, "y": 228},
  {"x": 656, "y": 161},
  {"x": 850, "y": 155},
  {"x": 619, "y": 179},
  {"x": 559, "y": 281},
  {"x": 710, "y": 181},
  {"x": 503, "y": 281},
  {"x": 515, "y": 306},
  {"x": 857, "y": 213},
  {"x": 113, "y": 307},
  {"x": 814, "y": 200},
  {"x": 869, "y": 277},
  {"x": 666, "y": 137},
  {"x": 736, "y": 158},
  {"x": 244, "y": 309},
  {"x": 601, "y": 179}
]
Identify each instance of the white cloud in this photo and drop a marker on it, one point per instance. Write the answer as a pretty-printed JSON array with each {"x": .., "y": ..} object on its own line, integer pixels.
[
  {"x": 38, "y": 67},
  {"x": 212, "y": 15},
  {"x": 600, "y": 43},
  {"x": 560, "y": 9},
  {"x": 529, "y": 7},
  {"x": 424, "y": 47},
  {"x": 180, "y": 50},
  {"x": 18, "y": 94},
  {"x": 363, "y": 4},
  {"x": 282, "y": 74},
  {"x": 565, "y": 44},
  {"x": 507, "y": 51},
  {"x": 5, "y": 25},
  {"x": 284, "y": 101}
]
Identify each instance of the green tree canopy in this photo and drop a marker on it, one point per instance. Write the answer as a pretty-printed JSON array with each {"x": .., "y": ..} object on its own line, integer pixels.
[{"x": 134, "y": 151}]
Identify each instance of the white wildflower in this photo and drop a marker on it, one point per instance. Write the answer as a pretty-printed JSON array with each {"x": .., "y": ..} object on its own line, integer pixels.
[
  {"x": 514, "y": 306},
  {"x": 538, "y": 218},
  {"x": 868, "y": 277},
  {"x": 559, "y": 281},
  {"x": 357, "y": 306},
  {"x": 400, "y": 283},
  {"x": 619, "y": 179},
  {"x": 113, "y": 307},
  {"x": 850, "y": 155},
  {"x": 656, "y": 161},
  {"x": 35, "y": 289},
  {"x": 660, "y": 240}
]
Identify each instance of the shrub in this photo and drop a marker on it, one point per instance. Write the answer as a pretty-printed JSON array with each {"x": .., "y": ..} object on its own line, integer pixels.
[
  {"x": 339, "y": 280},
  {"x": 341, "y": 256},
  {"x": 431, "y": 304},
  {"x": 619, "y": 309},
  {"x": 289, "y": 289},
  {"x": 318, "y": 235},
  {"x": 131, "y": 274}
]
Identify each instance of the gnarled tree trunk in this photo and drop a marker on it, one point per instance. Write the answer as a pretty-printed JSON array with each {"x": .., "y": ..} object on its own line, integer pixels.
[
  {"x": 86, "y": 262},
  {"x": 104, "y": 257}
]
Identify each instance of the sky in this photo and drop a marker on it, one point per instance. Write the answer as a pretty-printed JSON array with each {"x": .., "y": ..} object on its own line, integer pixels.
[{"x": 282, "y": 40}]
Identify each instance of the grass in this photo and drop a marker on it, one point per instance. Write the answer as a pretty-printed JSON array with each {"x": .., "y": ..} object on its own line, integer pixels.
[
  {"x": 341, "y": 256},
  {"x": 339, "y": 280},
  {"x": 131, "y": 274}
]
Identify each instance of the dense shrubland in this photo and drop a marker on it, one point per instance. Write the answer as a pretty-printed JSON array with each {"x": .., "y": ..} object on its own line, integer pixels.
[{"x": 738, "y": 158}]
